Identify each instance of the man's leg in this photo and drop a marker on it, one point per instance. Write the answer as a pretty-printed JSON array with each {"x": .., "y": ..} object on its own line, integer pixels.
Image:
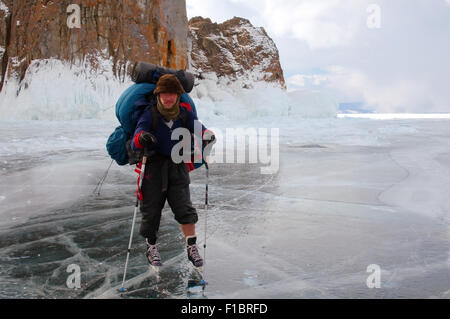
[
  {"x": 151, "y": 208},
  {"x": 179, "y": 198},
  {"x": 188, "y": 230}
]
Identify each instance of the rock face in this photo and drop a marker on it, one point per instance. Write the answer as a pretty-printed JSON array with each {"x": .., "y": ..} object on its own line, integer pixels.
[
  {"x": 88, "y": 32},
  {"x": 125, "y": 31},
  {"x": 235, "y": 49},
  {"x": 4, "y": 22}
]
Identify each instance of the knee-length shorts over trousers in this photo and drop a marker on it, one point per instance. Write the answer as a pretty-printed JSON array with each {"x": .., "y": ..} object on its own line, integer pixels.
[{"x": 163, "y": 180}]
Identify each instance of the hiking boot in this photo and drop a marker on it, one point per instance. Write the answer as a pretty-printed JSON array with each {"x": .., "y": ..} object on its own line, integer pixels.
[
  {"x": 192, "y": 251},
  {"x": 153, "y": 255}
]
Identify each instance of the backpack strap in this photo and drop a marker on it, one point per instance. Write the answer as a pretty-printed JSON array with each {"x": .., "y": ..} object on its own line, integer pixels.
[
  {"x": 183, "y": 116},
  {"x": 156, "y": 116}
]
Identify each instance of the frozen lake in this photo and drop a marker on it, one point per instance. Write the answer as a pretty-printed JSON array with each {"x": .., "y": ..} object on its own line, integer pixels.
[{"x": 349, "y": 193}]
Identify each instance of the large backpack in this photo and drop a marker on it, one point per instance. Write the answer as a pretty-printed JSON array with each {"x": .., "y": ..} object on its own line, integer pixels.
[{"x": 129, "y": 109}]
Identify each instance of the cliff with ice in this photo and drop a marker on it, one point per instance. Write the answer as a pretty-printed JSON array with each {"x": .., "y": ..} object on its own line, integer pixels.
[
  {"x": 234, "y": 49},
  {"x": 49, "y": 71},
  {"x": 90, "y": 31}
]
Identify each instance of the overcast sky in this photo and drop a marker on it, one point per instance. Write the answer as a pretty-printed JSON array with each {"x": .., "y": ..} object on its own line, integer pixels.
[{"x": 392, "y": 55}]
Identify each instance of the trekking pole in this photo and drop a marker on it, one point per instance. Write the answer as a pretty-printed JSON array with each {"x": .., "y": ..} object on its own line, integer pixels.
[
  {"x": 141, "y": 178},
  {"x": 102, "y": 180},
  {"x": 206, "y": 224}
]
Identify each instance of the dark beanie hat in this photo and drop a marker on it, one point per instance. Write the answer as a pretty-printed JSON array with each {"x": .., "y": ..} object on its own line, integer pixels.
[{"x": 168, "y": 83}]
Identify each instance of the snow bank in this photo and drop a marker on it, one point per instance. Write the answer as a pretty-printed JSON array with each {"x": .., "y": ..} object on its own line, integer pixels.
[
  {"x": 218, "y": 98},
  {"x": 55, "y": 90},
  {"x": 221, "y": 98}
]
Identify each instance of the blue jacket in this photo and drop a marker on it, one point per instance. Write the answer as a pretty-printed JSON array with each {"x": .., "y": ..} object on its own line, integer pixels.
[{"x": 163, "y": 133}]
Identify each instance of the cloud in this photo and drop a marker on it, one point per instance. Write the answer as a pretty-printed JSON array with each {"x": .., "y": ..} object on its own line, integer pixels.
[
  {"x": 321, "y": 24},
  {"x": 328, "y": 44},
  {"x": 401, "y": 95},
  {"x": 220, "y": 11},
  {"x": 297, "y": 80},
  {"x": 302, "y": 80}
]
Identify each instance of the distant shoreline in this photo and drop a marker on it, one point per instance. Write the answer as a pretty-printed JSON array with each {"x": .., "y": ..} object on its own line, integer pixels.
[{"x": 389, "y": 116}]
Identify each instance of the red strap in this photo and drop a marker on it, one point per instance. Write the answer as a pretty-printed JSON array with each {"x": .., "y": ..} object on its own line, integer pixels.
[
  {"x": 190, "y": 167},
  {"x": 138, "y": 170},
  {"x": 186, "y": 105},
  {"x": 136, "y": 140}
]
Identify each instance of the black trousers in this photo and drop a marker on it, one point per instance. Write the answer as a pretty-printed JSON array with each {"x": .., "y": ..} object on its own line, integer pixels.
[{"x": 165, "y": 180}]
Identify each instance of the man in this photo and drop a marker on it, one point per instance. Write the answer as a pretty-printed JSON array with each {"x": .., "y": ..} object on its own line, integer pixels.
[{"x": 164, "y": 179}]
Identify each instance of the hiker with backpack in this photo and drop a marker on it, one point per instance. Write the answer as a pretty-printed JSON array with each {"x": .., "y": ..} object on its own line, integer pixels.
[{"x": 163, "y": 178}]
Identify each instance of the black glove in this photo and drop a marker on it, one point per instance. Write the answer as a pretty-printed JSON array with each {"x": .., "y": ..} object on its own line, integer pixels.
[
  {"x": 147, "y": 139},
  {"x": 211, "y": 140}
]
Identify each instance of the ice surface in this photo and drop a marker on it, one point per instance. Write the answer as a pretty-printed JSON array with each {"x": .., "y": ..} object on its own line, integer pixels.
[
  {"x": 349, "y": 193},
  {"x": 45, "y": 164}
]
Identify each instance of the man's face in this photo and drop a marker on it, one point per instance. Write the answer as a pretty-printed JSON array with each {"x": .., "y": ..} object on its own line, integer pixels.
[{"x": 168, "y": 99}]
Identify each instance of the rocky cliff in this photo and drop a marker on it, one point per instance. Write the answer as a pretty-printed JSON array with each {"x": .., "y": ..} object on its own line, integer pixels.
[
  {"x": 4, "y": 22},
  {"x": 125, "y": 31},
  {"x": 235, "y": 49}
]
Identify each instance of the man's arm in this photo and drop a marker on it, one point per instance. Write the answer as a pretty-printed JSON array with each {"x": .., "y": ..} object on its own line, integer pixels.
[
  {"x": 143, "y": 126},
  {"x": 192, "y": 119},
  {"x": 206, "y": 135}
]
